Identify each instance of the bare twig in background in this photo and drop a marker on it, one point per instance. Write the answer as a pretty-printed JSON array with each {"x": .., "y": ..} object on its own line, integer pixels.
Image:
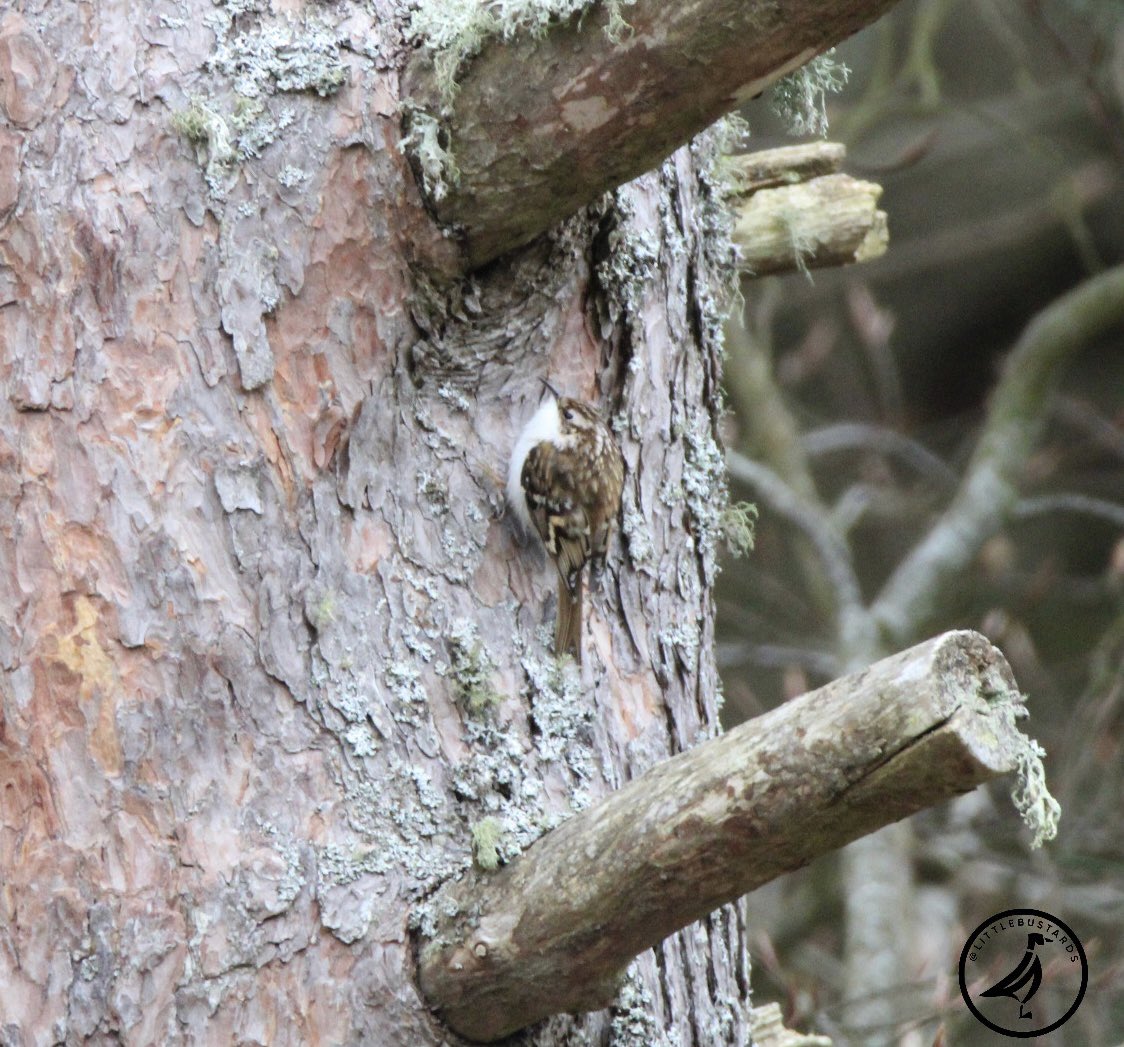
[
  {"x": 834, "y": 553},
  {"x": 1069, "y": 503},
  {"x": 879, "y": 866},
  {"x": 778, "y": 656},
  {"x": 1082, "y": 416},
  {"x": 864, "y": 436},
  {"x": 772, "y": 436},
  {"x": 1015, "y": 419}
]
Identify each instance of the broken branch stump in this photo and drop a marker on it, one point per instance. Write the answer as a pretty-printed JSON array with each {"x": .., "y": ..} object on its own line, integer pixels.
[
  {"x": 795, "y": 210},
  {"x": 518, "y": 152},
  {"x": 551, "y": 932}
]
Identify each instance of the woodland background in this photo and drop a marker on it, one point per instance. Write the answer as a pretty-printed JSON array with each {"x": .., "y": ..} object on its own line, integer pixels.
[
  {"x": 262, "y": 696},
  {"x": 996, "y": 130}
]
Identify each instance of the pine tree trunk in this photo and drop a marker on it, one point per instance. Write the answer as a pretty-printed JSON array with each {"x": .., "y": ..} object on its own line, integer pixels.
[{"x": 273, "y": 654}]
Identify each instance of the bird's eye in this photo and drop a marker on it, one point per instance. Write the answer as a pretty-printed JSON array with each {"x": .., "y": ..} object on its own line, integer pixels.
[{"x": 568, "y": 414}]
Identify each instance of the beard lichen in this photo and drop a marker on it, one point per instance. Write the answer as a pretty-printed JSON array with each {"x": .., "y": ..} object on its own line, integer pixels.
[
  {"x": 800, "y": 99},
  {"x": 739, "y": 522},
  {"x": 1038, "y": 809}
]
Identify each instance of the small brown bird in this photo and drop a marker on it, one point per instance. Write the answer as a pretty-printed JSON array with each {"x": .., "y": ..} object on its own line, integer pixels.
[{"x": 565, "y": 479}]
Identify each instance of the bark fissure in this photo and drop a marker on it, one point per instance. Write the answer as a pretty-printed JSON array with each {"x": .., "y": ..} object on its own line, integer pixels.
[{"x": 903, "y": 750}]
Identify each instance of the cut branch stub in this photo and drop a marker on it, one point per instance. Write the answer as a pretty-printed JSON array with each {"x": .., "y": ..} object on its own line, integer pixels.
[
  {"x": 542, "y": 124},
  {"x": 798, "y": 212},
  {"x": 550, "y": 932}
]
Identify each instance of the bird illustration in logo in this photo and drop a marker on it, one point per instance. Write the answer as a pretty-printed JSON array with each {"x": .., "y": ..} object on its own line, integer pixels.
[{"x": 1027, "y": 975}]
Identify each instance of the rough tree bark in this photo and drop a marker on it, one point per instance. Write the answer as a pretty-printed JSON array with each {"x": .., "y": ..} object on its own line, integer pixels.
[{"x": 273, "y": 658}]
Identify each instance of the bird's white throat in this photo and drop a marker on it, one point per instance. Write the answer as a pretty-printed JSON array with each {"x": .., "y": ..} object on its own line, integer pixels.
[{"x": 543, "y": 427}]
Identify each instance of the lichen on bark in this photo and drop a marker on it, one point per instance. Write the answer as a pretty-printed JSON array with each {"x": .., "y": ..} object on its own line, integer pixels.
[{"x": 452, "y": 31}]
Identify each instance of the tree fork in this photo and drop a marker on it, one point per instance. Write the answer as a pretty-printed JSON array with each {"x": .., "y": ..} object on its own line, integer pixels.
[
  {"x": 551, "y": 932},
  {"x": 525, "y": 151}
]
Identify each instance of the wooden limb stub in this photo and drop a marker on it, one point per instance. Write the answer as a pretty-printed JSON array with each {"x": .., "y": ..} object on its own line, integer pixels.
[
  {"x": 796, "y": 211},
  {"x": 550, "y": 932},
  {"x": 539, "y": 124}
]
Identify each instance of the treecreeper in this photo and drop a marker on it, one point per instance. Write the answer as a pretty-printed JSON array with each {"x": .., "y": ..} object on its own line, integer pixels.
[{"x": 565, "y": 480}]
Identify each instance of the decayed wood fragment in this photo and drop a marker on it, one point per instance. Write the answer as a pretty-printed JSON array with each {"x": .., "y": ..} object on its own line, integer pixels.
[
  {"x": 785, "y": 165},
  {"x": 797, "y": 211},
  {"x": 550, "y": 932},
  {"x": 769, "y": 1030}
]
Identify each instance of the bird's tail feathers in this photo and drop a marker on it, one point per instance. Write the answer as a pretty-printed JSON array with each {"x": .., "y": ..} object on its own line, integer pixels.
[{"x": 568, "y": 629}]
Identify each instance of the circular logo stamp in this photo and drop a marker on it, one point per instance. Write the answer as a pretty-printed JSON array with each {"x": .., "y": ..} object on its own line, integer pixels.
[{"x": 1023, "y": 973}]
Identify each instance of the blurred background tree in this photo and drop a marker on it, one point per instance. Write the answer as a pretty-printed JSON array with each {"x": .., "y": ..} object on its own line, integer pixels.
[{"x": 996, "y": 130}]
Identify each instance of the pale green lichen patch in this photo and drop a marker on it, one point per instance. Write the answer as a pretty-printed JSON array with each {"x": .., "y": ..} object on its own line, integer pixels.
[
  {"x": 471, "y": 669},
  {"x": 396, "y": 826},
  {"x": 495, "y": 779},
  {"x": 403, "y": 680},
  {"x": 202, "y": 125},
  {"x": 283, "y": 55},
  {"x": 800, "y": 99},
  {"x": 321, "y": 612},
  {"x": 361, "y": 739},
  {"x": 716, "y": 214},
  {"x": 633, "y": 1021},
  {"x": 704, "y": 487},
  {"x": 629, "y": 263},
  {"x": 291, "y": 177},
  {"x": 194, "y": 122},
  {"x": 560, "y": 711},
  {"x": 424, "y": 140},
  {"x": 335, "y": 865},
  {"x": 286, "y": 54},
  {"x": 455, "y": 398},
  {"x": 739, "y": 522},
  {"x": 284, "y": 890},
  {"x": 684, "y": 640},
  {"x": 487, "y": 835},
  {"x": 637, "y": 537},
  {"x": 433, "y": 492}
]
